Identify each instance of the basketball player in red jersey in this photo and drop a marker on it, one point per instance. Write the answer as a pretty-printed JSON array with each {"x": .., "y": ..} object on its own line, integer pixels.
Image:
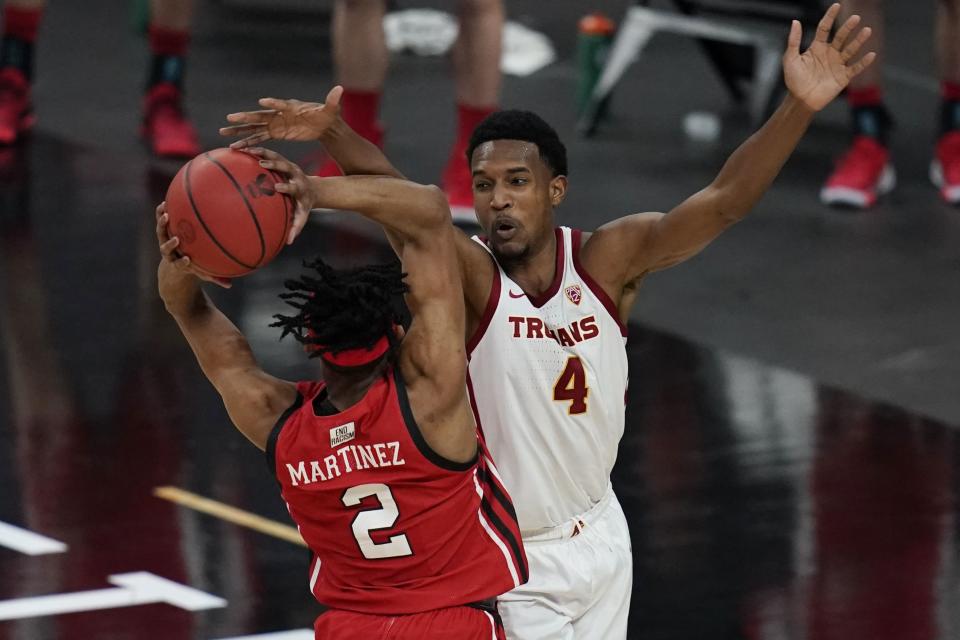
[
  {"x": 411, "y": 531},
  {"x": 546, "y": 319}
]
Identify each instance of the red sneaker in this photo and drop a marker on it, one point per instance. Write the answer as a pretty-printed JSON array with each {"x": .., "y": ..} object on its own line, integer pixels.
[
  {"x": 458, "y": 185},
  {"x": 945, "y": 168},
  {"x": 165, "y": 125},
  {"x": 16, "y": 113},
  {"x": 862, "y": 175}
]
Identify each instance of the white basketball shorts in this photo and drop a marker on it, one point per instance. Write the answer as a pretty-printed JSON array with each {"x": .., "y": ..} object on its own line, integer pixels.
[{"x": 581, "y": 577}]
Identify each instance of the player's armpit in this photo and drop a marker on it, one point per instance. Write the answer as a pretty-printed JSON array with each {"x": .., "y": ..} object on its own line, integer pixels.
[
  {"x": 255, "y": 401},
  {"x": 617, "y": 253}
]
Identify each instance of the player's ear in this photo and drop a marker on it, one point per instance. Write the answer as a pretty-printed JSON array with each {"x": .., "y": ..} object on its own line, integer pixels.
[
  {"x": 558, "y": 190},
  {"x": 399, "y": 332}
]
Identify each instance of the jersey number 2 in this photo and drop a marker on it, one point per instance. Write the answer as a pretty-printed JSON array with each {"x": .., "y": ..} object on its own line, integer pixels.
[
  {"x": 375, "y": 520},
  {"x": 572, "y": 386}
]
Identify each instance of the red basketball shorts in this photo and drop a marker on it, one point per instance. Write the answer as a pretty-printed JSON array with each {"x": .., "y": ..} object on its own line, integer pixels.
[{"x": 454, "y": 623}]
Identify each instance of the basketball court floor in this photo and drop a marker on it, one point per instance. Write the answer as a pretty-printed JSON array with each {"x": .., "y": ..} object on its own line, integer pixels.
[{"x": 790, "y": 463}]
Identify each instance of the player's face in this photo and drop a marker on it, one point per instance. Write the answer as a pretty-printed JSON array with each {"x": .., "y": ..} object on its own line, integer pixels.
[{"x": 514, "y": 193}]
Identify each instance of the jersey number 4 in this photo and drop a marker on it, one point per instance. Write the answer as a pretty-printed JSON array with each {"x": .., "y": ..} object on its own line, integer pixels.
[
  {"x": 572, "y": 386},
  {"x": 375, "y": 520}
]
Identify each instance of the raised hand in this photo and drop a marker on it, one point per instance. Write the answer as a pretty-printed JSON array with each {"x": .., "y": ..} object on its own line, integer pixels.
[
  {"x": 176, "y": 269},
  {"x": 284, "y": 120},
  {"x": 298, "y": 186},
  {"x": 819, "y": 74}
]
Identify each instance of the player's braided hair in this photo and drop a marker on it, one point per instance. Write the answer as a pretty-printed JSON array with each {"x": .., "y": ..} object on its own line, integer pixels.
[
  {"x": 344, "y": 308},
  {"x": 514, "y": 124}
]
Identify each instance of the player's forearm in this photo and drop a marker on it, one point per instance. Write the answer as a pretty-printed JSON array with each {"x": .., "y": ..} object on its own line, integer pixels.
[
  {"x": 355, "y": 154},
  {"x": 182, "y": 294},
  {"x": 216, "y": 342},
  {"x": 414, "y": 211},
  {"x": 195, "y": 314},
  {"x": 752, "y": 168}
]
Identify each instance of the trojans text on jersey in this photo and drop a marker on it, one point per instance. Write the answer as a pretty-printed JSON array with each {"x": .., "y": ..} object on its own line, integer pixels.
[{"x": 577, "y": 331}]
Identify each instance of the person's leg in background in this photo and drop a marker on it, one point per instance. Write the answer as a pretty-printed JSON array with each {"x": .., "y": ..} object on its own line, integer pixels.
[
  {"x": 864, "y": 172},
  {"x": 165, "y": 125},
  {"x": 360, "y": 60},
  {"x": 476, "y": 65},
  {"x": 21, "y": 20},
  {"x": 945, "y": 170}
]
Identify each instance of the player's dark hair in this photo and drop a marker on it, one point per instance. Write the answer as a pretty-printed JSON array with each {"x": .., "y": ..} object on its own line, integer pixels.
[
  {"x": 344, "y": 309},
  {"x": 514, "y": 124}
]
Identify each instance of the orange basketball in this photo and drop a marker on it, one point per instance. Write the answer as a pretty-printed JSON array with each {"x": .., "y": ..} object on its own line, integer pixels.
[{"x": 227, "y": 214}]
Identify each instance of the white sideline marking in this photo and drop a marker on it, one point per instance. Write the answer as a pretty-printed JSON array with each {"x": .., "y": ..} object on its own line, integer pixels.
[
  {"x": 28, "y": 542},
  {"x": 132, "y": 589}
]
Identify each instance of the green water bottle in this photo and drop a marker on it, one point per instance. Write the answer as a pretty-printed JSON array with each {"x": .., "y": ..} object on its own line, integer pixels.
[
  {"x": 593, "y": 44},
  {"x": 140, "y": 15}
]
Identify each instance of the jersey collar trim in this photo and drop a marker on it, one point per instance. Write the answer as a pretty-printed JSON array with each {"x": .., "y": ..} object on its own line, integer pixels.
[
  {"x": 488, "y": 311},
  {"x": 542, "y": 299}
]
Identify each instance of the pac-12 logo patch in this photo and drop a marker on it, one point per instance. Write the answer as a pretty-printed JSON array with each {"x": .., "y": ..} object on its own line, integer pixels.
[
  {"x": 574, "y": 294},
  {"x": 343, "y": 433}
]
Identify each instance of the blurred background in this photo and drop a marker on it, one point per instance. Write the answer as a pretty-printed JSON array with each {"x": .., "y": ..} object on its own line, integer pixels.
[{"x": 788, "y": 464}]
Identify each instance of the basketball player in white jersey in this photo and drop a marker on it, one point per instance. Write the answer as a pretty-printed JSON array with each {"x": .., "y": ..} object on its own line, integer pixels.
[{"x": 547, "y": 309}]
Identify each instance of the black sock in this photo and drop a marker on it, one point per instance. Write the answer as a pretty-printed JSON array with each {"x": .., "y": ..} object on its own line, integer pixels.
[
  {"x": 170, "y": 69},
  {"x": 872, "y": 121},
  {"x": 949, "y": 116},
  {"x": 17, "y": 53}
]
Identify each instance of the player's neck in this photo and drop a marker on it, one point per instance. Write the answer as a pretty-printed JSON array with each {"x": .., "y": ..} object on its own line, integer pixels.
[
  {"x": 535, "y": 271},
  {"x": 346, "y": 387}
]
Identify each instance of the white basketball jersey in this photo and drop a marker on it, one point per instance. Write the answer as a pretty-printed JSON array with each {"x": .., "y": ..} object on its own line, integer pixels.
[{"x": 548, "y": 378}]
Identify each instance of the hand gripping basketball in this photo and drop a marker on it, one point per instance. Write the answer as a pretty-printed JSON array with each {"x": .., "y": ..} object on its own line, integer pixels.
[
  {"x": 297, "y": 187},
  {"x": 230, "y": 217},
  {"x": 173, "y": 265}
]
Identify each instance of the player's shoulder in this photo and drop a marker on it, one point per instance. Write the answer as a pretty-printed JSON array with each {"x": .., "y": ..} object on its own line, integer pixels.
[
  {"x": 308, "y": 389},
  {"x": 305, "y": 392},
  {"x": 606, "y": 248},
  {"x": 624, "y": 229},
  {"x": 605, "y": 255}
]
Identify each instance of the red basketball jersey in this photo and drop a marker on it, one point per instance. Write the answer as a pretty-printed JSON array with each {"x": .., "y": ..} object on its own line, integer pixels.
[{"x": 394, "y": 528}]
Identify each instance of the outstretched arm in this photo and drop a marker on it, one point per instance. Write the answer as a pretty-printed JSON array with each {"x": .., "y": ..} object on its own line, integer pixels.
[
  {"x": 433, "y": 356},
  {"x": 306, "y": 121},
  {"x": 296, "y": 120},
  {"x": 253, "y": 399},
  {"x": 653, "y": 241},
  {"x": 406, "y": 210}
]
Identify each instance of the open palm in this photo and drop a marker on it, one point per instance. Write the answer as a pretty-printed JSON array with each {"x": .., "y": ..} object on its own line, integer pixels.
[
  {"x": 825, "y": 69},
  {"x": 284, "y": 120}
]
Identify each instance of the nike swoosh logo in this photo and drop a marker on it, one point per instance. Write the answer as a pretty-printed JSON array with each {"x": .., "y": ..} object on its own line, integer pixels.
[{"x": 516, "y": 295}]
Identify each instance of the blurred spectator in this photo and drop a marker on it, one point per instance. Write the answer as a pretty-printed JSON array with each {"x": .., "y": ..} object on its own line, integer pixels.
[
  {"x": 165, "y": 126},
  {"x": 866, "y": 171},
  {"x": 361, "y": 59}
]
